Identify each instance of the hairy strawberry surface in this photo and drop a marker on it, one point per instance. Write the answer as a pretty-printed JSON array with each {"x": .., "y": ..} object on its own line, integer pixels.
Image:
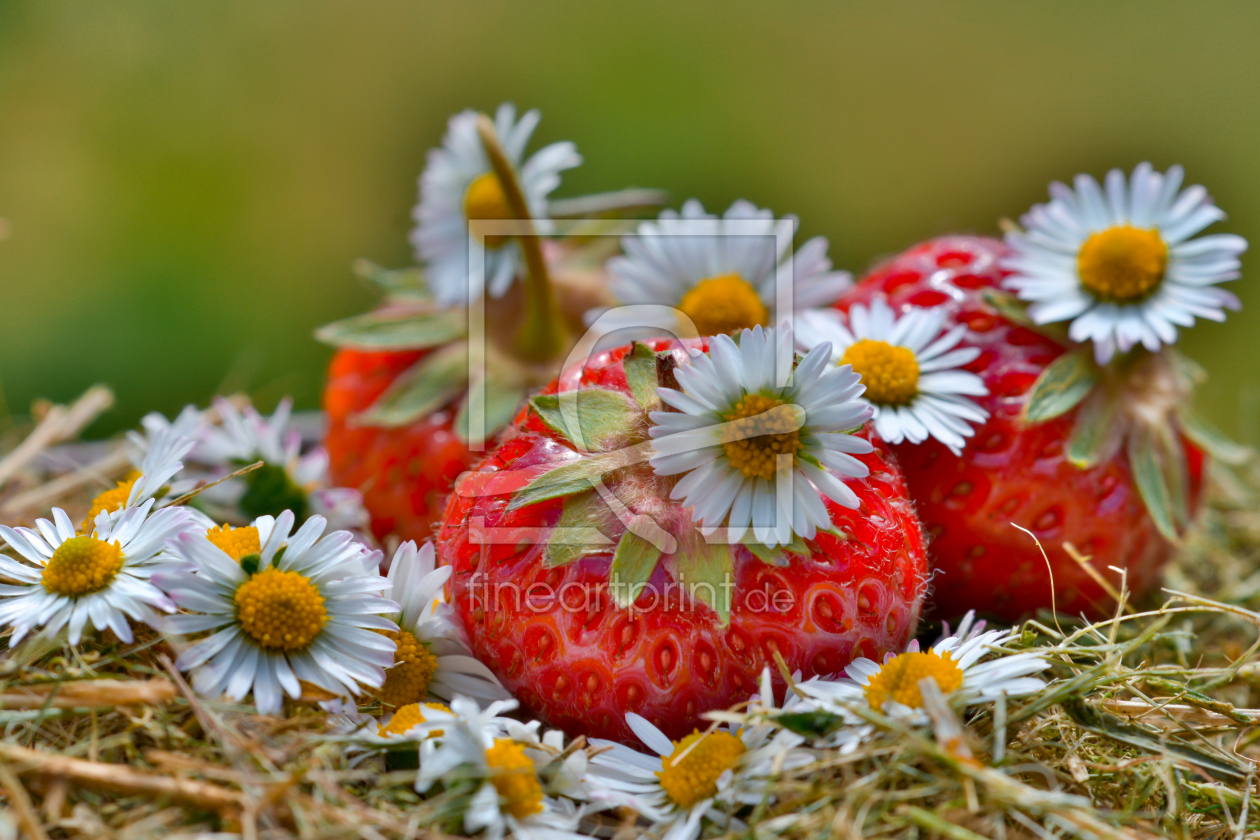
[
  {"x": 1013, "y": 472},
  {"x": 541, "y": 614}
]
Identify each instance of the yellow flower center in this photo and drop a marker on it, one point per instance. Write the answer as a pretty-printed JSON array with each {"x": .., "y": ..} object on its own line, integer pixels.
[
  {"x": 408, "y": 716},
  {"x": 414, "y": 666},
  {"x": 485, "y": 201},
  {"x": 235, "y": 542},
  {"x": 1122, "y": 264},
  {"x": 690, "y": 773},
  {"x": 81, "y": 566},
  {"x": 514, "y": 778},
  {"x": 109, "y": 501},
  {"x": 723, "y": 305},
  {"x": 899, "y": 678},
  {"x": 757, "y": 432},
  {"x": 890, "y": 373},
  {"x": 280, "y": 610}
]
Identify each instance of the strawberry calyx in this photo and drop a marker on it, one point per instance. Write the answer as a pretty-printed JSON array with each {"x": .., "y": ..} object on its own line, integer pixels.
[
  {"x": 607, "y": 486},
  {"x": 1140, "y": 401}
]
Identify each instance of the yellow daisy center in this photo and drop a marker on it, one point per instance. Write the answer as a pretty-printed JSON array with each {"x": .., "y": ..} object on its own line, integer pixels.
[
  {"x": 484, "y": 201},
  {"x": 280, "y": 610},
  {"x": 408, "y": 716},
  {"x": 723, "y": 305},
  {"x": 414, "y": 666},
  {"x": 514, "y": 778},
  {"x": 899, "y": 678},
  {"x": 109, "y": 501},
  {"x": 1122, "y": 264},
  {"x": 235, "y": 542},
  {"x": 890, "y": 373},
  {"x": 694, "y": 776},
  {"x": 81, "y": 566},
  {"x": 757, "y": 432}
]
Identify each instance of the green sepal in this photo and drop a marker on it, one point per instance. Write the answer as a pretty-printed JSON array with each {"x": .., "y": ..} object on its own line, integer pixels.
[
  {"x": 426, "y": 386},
  {"x": 776, "y": 556},
  {"x": 571, "y": 477},
  {"x": 384, "y": 331},
  {"x": 1061, "y": 386},
  {"x": 502, "y": 396},
  {"x": 1096, "y": 434},
  {"x": 1160, "y": 479},
  {"x": 640, "y": 364},
  {"x": 632, "y": 565},
  {"x": 1009, "y": 307},
  {"x": 1212, "y": 440},
  {"x": 575, "y": 536},
  {"x": 594, "y": 419},
  {"x": 765, "y": 554},
  {"x": 706, "y": 571},
  {"x": 394, "y": 282},
  {"x": 810, "y": 459},
  {"x": 250, "y": 563}
]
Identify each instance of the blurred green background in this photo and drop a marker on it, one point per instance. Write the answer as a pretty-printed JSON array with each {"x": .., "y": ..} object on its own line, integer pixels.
[{"x": 186, "y": 185}]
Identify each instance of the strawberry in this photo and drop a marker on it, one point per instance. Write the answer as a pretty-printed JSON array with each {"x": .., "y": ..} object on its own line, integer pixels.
[
  {"x": 1014, "y": 471},
  {"x": 552, "y": 616},
  {"x": 404, "y": 473}
]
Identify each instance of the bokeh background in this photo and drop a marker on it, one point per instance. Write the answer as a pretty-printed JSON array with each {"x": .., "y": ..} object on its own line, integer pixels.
[{"x": 187, "y": 184}]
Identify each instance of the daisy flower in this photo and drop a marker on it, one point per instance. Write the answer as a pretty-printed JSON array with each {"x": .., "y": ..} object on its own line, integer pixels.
[
  {"x": 431, "y": 657},
  {"x": 682, "y": 785},
  {"x": 911, "y": 367},
  {"x": 954, "y": 662},
  {"x": 102, "y": 576},
  {"x": 722, "y": 273},
  {"x": 459, "y": 185},
  {"x": 504, "y": 757},
  {"x": 287, "y": 480},
  {"x": 160, "y": 462},
  {"x": 746, "y": 420},
  {"x": 300, "y": 609},
  {"x": 1118, "y": 261}
]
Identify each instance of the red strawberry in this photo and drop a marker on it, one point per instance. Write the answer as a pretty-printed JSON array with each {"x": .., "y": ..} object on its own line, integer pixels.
[
  {"x": 542, "y": 616},
  {"x": 1013, "y": 471},
  {"x": 404, "y": 473}
]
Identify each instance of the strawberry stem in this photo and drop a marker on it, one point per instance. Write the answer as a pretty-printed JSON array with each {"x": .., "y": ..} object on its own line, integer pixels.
[{"x": 541, "y": 336}]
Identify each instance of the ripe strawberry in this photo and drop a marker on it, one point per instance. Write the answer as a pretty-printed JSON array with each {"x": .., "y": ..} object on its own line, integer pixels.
[
  {"x": 541, "y": 612},
  {"x": 1013, "y": 471},
  {"x": 404, "y": 473}
]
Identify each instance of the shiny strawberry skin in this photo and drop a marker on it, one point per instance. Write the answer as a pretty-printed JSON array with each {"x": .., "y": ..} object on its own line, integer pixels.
[
  {"x": 1011, "y": 473},
  {"x": 404, "y": 473},
  {"x": 583, "y": 666}
]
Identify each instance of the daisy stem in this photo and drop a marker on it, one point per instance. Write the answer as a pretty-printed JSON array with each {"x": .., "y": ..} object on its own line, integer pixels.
[{"x": 542, "y": 335}]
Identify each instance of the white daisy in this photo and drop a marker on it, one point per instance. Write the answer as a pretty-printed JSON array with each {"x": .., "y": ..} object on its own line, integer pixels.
[
  {"x": 1118, "y": 261},
  {"x": 735, "y": 416},
  {"x": 158, "y": 463},
  {"x": 103, "y": 576},
  {"x": 911, "y": 367},
  {"x": 288, "y": 480},
  {"x": 953, "y": 662},
  {"x": 302, "y": 608},
  {"x": 680, "y": 786},
  {"x": 506, "y": 757},
  {"x": 723, "y": 273},
  {"x": 431, "y": 657},
  {"x": 458, "y": 185}
]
